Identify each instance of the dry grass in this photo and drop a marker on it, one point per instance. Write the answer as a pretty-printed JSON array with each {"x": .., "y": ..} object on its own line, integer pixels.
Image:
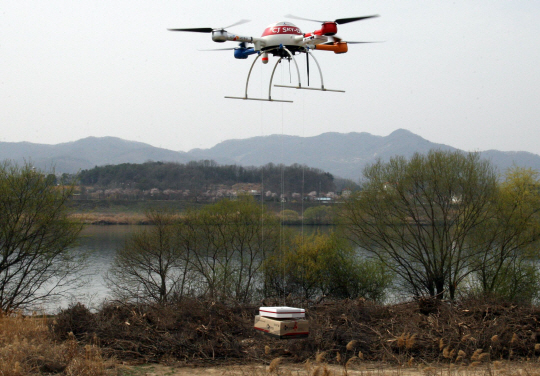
[
  {"x": 274, "y": 366},
  {"x": 350, "y": 345},
  {"x": 26, "y": 347},
  {"x": 320, "y": 357},
  {"x": 110, "y": 218},
  {"x": 461, "y": 333}
]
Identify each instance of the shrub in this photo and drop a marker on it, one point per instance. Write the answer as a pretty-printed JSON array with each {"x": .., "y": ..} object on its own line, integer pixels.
[
  {"x": 323, "y": 264},
  {"x": 318, "y": 215}
]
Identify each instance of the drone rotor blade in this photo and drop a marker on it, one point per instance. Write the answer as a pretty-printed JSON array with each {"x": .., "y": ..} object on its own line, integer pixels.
[
  {"x": 336, "y": 39},
  {"x": 301, "y": 18},
  {"x": 195, "y": 30},
  {"x": 360, "y": 42},
  {"x": 237, "y": 23},
  {"x": 241, "y": 46},
  {"x": 220, "y": 49},
  {"x": 341, "y": 21},
  {"x": 209, "y": 29}
]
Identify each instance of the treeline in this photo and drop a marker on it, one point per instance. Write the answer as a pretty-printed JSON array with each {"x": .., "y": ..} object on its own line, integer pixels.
[
  {"x": 236, "y": 251},
  {"x": 442, "y": 225},
  {"x": 206, "y": 175}
]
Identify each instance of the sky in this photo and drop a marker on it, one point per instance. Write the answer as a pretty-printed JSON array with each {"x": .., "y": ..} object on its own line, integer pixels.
[{"x": 462, "y": 73}]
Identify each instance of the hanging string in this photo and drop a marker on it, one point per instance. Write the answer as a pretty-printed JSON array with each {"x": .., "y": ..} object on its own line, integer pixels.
[
  {"x": 262, "y": 176},
  {"x": 303, "y": 168},
  {"x": 290, "y": 75},
  {"x": 303, "y": 187},
  {"x": 282, "y": 195}
]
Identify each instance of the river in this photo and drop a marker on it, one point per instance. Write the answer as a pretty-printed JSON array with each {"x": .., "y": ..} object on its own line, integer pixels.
[{"x": 101, "y": 242}]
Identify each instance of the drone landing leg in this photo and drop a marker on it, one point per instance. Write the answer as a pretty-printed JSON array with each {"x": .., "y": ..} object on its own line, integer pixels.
[
  {"x": 312, "y": 88},
  {"x": 269, "y": 91}
]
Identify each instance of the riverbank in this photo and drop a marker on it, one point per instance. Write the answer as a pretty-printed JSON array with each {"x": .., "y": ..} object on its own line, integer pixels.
[
  {"x": 132, "y": 212},
  {"x": 120, "y": 212},
  {"x": 110, "y": 218},
  {"x": 465, "y": 333},
  {"x": 197, "y": 337}
]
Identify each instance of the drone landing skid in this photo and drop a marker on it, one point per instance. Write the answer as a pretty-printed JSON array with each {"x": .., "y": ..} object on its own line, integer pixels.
[
  {"x": 299, "y": 86},
  {"x": 260, "y": 99},
  {"x": 310, "y": 88}
]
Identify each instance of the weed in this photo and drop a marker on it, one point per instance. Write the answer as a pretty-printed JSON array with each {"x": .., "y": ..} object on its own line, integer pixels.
[{"x": 27, "y": 347}]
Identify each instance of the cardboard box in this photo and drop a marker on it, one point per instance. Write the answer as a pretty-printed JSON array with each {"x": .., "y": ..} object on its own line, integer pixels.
[
  {"x": 282, "y": 312},
  {"x": 282, "y": 328}
]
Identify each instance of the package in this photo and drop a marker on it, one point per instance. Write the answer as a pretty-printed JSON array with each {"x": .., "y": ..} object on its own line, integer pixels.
[
  {"x": 282, "y": 328},
  {"x": 282, "y": 312}
]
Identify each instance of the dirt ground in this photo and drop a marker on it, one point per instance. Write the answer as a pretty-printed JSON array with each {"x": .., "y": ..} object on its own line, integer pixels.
[
  {"x": 241, "y": 370},
  {"x": 373, "y": 369}
]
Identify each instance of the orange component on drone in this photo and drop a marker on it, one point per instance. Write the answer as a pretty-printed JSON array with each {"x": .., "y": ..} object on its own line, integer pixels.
[{"x": 338, "y": 48}]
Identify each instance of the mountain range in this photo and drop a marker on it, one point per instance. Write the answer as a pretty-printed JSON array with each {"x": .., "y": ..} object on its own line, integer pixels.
[{"x": 343, "y": 155}]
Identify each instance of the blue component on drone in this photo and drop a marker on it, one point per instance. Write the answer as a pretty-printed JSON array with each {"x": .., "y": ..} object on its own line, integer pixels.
[{"x": 243, "y": 53}]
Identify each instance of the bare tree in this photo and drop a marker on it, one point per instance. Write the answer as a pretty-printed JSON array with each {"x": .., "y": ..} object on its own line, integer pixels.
[
  {"x": 417, "y": 216},
  {"x": 150, "y": 265},
  {"x": 36, "y": 238},
  {"x": 228, "y": 242},
  {"x": 216, "y": 251}
]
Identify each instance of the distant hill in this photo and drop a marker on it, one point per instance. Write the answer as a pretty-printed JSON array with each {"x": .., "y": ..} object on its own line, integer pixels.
[
  {"x": 86, "y": 153},
  {"x": 343, "y": 155}
]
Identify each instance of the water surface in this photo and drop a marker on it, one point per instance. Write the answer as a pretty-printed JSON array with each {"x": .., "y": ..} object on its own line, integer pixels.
[{"x": 101, "y": 242}]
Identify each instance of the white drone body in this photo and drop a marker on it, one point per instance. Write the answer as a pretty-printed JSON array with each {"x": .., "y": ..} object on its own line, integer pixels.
[{"x": 283, "y": 39}]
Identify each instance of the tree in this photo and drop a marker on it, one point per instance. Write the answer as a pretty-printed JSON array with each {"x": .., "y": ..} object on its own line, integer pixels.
[
  {"x": 215, "y": 251},
  {"x": 228, "y": 242},
  {"x": 324, "y": 265},
  {"x": 509, "y": 240},
  {"x": 36, "y": 238},
  {"x": 289, "y": 216},
  {"x": 318, "y": 215},
  {"x": 151, "y": 266},
  {"x": 418, "y": 215},
  {"x": 202, "y": 176}
]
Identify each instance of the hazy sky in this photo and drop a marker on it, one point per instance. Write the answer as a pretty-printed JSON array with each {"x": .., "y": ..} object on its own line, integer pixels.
[{"x": 463, "y": 73}]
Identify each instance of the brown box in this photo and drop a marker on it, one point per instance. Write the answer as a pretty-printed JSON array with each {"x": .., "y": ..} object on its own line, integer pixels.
[{"x": 282, "y": 328}]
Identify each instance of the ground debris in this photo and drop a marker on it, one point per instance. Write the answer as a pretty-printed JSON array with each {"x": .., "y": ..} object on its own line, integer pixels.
[{"x": 200, "y": 331}]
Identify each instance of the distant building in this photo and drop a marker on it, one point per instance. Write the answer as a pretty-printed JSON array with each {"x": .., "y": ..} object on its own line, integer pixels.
[{"x": 324, "y": 200}]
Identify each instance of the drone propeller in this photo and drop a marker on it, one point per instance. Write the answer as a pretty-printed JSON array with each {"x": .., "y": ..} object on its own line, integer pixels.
[
  {"x": 195, "y": 30},
  {"x": 360, "y": 42},
  {"x": 339, "y": 21},
  {"x": 241, "y": 45},
  {"x": 220, "y": 49},
  {"x": 209, "y": 29},
  {"x": 336, "y": 39}
]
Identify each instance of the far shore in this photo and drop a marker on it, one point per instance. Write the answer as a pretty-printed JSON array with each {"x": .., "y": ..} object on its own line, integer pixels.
[
  {"x": 110, "y": 218},
  {"x": 126, "y": 212},
  {"x": 128, "y": 218}
]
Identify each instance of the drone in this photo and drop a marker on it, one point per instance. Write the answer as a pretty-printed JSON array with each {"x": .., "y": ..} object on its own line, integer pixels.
[{"x": 283, "y": 40}]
